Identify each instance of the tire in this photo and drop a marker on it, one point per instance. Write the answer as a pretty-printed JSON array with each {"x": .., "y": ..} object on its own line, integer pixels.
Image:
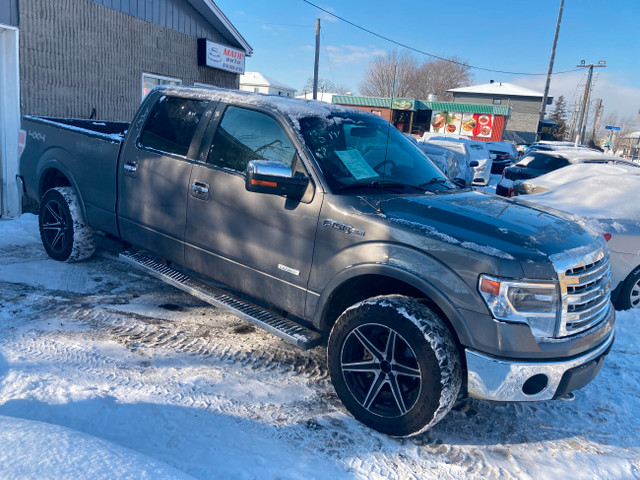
[
  {"x": 629, "y": 296},
  {"x": 394, "y": 365},
  {"x": 65, "y": 235}
]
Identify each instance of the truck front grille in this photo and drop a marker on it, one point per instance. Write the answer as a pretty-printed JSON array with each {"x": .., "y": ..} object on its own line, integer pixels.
[{"x": 585, "y": 291}]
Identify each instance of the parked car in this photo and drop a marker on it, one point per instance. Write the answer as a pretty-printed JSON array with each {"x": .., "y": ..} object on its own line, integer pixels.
[
  {"x": 538, "y": 162},
  {"x": 504, "y": 154},
  {"x": 324, "y": 226},
  {"x": 475, "y": 151},
  {"x": 454, "y": 164},
  {"x": 604, "y": 197}
]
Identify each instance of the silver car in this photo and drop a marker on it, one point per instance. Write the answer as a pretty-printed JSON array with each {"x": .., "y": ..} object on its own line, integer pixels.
[{"x": 602, "y": 197}]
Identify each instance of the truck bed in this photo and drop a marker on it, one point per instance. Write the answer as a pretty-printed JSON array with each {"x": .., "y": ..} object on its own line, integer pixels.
[{"x": 88, "y": 148}]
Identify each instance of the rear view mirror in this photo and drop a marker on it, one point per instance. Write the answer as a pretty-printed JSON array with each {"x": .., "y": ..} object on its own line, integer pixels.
[
  {"x": 363, "y": 132},
  {"x": 263, "y": 176}
]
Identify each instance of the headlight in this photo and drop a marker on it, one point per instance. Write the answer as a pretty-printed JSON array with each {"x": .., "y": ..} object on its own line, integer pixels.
[
  {"x": 533, "y": 303},
  {"x": 481, "y": 168}
]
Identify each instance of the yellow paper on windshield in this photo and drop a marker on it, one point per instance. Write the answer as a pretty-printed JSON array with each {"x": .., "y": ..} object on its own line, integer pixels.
[{"x": 356, "y": 164}]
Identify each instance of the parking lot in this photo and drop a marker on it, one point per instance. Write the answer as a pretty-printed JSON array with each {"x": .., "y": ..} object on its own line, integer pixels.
[{"x": 106, "y": 372}]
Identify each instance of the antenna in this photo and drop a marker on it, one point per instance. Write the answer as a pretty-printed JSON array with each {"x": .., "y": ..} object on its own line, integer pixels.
[{"x": 386, "y": 148}]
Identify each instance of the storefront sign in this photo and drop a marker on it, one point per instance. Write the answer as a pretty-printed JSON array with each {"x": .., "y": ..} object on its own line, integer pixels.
[
  {"x": 456, "y": 123},
  {"x": 403, "y": 104},
  {"x": 216, "y": 55}
]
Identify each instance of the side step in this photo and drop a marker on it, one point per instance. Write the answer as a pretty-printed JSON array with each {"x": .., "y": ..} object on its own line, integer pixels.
[{"x": 300, "y": 336}]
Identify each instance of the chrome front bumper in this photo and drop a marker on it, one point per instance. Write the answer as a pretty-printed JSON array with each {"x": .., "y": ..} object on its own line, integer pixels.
[{"x": 503, "y": 380}]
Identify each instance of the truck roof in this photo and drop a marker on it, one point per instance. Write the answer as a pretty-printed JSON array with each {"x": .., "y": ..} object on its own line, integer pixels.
[{"x": 294, "y": 108}]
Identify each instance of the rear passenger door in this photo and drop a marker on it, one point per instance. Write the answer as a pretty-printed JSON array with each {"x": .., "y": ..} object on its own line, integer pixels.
[{"x": 154, "y": 176}]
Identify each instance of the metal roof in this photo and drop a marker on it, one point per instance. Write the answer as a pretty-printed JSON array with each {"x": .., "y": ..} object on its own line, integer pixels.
[{"x": 422, "y": 105}]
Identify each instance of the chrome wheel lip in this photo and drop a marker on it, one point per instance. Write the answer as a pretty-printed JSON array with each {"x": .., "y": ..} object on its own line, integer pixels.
[
  {"x": 384, "y": 368},
  {"x": 55, "y": 226}
]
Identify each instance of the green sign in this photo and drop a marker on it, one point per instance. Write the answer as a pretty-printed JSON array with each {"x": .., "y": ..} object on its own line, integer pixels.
[{"x": 403, "y": 104}]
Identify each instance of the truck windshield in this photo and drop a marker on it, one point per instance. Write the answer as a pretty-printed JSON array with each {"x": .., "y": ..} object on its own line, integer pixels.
[{"x": 361, "y": 152}]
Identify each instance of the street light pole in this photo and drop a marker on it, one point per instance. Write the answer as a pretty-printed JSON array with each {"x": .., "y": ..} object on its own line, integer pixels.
[
  {"x": 551, "y": 60},
  {"x": 585, "y": 101}
]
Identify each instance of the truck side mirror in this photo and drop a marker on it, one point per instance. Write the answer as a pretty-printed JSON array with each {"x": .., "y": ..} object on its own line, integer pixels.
[
  {"x": 275, "y": 178},
  {"x": 474, "y": 163}
]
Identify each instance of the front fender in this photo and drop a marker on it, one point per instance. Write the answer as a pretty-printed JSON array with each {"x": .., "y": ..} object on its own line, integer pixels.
[{"x": 441, "y": 289}]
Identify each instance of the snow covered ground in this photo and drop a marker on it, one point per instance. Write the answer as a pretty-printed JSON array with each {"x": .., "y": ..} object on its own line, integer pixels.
[{"x": 108, "y": 373}]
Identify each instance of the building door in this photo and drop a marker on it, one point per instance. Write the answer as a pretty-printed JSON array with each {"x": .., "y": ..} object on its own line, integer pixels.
[{"x": 10, "y": 198}]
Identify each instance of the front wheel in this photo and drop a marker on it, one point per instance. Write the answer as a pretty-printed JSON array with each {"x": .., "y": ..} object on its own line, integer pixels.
[
  {"x": 394, "y": 365},
  {"x": 65, "y": 236}
]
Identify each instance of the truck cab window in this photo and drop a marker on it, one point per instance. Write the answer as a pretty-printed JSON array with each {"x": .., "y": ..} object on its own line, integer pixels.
[
  {"x": 245, "y": 135},
  {"x": 171, "y": 125}
]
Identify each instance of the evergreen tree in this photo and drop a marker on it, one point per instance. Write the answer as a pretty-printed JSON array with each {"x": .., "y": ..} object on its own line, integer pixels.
[{"x": 559, "y": 115}]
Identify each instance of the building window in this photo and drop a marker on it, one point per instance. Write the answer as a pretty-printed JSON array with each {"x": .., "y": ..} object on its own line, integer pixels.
[
  {"x": 150, "y": 80},
  {"x": 497, "y": 101},
  {"x": 256, "y": 90}
]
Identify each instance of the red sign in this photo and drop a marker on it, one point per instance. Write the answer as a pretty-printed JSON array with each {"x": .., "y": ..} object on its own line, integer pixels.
[{"x": 22, "y": 141}]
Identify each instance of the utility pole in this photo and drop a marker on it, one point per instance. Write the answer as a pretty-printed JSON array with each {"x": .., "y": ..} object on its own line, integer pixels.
[
  {"x": 582, "y": 126},
  {"x": 317, "y": 62},
  {"x": 551, "y": 60},
  {"x": 596, "y": 118}
]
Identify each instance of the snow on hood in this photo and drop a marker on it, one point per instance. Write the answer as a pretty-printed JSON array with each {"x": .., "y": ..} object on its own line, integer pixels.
[
  {"x": 595, "y": 191},
  {"x": 487, "y": 224}
]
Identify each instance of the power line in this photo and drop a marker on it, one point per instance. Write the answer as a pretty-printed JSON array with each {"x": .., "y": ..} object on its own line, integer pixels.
[
  {"x": 324, "y": 44},
  {"x": 422, "y": 52}
]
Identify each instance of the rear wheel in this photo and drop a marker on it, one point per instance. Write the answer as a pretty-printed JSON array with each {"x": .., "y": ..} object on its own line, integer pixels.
[
  {"x": 394, "y": 365},
  {"x": 629, "y": 296},
  {"x": 65, "y": 236}
]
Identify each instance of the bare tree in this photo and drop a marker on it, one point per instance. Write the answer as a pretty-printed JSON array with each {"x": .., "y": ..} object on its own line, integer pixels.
[
  {"x": 395, "y": 68},
  {"x": 324, "y": 85},
  {"x": 438, "y": 76}
]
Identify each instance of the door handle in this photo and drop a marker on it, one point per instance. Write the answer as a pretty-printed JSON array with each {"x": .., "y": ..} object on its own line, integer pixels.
[
  {"x": 200, "y": 190},
  {"x": 131, "y": 167}
]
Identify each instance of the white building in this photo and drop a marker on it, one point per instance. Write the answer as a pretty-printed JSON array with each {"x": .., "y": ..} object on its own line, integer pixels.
[
  {"x": 322, "y": 96},
  {"x": 259, "y": 83}
]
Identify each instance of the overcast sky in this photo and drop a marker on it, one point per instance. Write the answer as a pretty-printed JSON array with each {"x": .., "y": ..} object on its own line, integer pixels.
[{"x": 500, "y": 35}]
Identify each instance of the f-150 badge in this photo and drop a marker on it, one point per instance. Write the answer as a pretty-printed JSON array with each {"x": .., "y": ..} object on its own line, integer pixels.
[{"x": 342, "y": 227}]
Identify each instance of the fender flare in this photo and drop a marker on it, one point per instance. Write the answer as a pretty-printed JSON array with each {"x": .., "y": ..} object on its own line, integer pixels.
[
  {"x": 53, "y": 159},
  {"x": 453, "y": 316}
]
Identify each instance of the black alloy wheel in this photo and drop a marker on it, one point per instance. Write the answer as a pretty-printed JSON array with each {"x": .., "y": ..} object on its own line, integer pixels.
[
  {"x": 56, "y": 227},
  {"x": 381, "y": 370}
]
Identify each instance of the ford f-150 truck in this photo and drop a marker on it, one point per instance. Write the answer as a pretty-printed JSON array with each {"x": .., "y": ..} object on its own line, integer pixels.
[{"x": 325, "y": 225}]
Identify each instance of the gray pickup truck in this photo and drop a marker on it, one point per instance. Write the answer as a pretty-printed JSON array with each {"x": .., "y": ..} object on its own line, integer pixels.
[{"x": 325, "y": 225}]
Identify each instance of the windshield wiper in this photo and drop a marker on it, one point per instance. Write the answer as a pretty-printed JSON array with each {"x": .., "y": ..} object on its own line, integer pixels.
[
  {"x": 434, "y": 180},
  {"x": 376, "y": 184}
]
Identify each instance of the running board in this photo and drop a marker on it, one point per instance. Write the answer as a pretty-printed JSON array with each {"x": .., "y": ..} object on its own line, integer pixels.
[{"x": 292, "y": 332}]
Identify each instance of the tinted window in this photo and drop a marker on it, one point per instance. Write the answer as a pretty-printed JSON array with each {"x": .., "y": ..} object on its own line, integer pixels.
[
  {"x": 244, "y": 135},
  {"x": 171, "y": 125}
]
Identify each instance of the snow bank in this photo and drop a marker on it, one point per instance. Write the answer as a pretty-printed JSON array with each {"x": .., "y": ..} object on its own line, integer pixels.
[{"x": 33, "y": 449}]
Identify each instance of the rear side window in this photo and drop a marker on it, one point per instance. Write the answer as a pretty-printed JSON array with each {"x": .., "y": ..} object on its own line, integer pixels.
[
  {"x": 544, "y": 162},
  {"x": 171, "y": 125},
  {"x": 245, "y": 135}
]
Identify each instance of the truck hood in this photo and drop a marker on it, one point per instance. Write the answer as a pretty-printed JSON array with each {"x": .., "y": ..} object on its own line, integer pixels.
[{"x": 487, "y": 223}]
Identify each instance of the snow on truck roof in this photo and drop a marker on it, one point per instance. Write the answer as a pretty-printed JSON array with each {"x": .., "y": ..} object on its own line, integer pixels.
[{"x": 294, "y": 108}]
